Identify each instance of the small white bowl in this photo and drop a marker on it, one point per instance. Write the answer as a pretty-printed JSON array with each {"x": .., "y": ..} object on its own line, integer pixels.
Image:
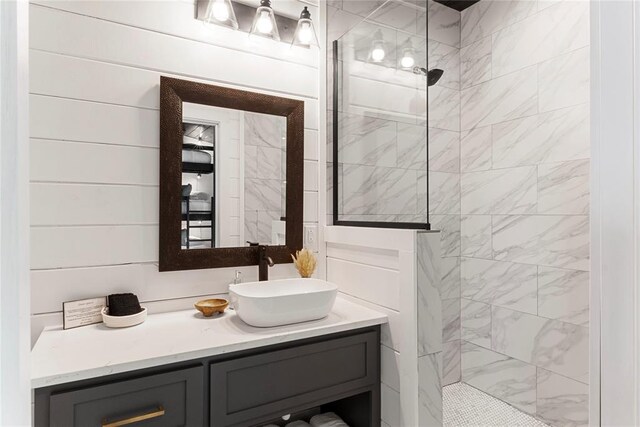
[{"x": 123, "y": 321}]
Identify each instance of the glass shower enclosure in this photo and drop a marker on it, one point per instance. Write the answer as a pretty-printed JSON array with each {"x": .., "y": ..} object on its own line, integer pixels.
[{"x": 380, "y": 155}]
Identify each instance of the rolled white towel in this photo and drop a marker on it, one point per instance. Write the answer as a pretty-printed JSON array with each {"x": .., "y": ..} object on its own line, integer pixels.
[
  {"x": 328, "y": 419},
  {"x": 298, "y": 423}
]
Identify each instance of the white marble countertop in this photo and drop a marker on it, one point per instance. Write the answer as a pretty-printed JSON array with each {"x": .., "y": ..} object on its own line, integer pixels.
[{"x": 61, "y": 356}]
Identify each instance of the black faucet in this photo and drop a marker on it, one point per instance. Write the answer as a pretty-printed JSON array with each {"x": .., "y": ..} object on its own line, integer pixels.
[{"x": 264, "y": 262}]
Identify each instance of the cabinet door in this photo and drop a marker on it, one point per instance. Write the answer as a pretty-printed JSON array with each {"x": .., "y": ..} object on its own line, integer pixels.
[
  {"x": 168, "y": 399},
  {"x": 272, "y": 383}
]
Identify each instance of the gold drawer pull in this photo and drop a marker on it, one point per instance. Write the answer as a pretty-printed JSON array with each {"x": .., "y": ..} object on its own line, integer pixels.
[{"x": 137, "y": 418}]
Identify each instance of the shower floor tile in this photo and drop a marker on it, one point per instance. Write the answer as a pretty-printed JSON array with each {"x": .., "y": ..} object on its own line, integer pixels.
[{"x": 465, "y": 406}]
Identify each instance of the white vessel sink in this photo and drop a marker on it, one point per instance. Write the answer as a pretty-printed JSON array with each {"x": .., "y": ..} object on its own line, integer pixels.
[{"x": 281, "y": 302}]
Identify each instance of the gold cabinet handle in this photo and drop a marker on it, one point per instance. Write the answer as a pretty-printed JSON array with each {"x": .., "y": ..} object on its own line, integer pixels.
[{"x": 135, "y": 419}]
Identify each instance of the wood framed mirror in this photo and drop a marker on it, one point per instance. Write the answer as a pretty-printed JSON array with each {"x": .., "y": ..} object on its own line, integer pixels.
[{"x": 231, "y": 172}]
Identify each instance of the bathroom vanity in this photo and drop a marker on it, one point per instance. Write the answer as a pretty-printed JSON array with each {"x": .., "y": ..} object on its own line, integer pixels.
[{"x": 182, "y": 369}]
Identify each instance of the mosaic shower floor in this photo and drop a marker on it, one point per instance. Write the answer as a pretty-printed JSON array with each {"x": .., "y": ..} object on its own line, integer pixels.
[{"x": 465, "y": 406}]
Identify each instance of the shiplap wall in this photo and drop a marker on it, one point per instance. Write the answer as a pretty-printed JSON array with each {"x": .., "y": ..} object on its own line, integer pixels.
[{"x": 95, "y": 72}]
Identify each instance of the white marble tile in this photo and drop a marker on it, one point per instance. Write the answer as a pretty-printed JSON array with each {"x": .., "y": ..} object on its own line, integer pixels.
[
  {"x": 563, "y": 295},
  {"x": 430, "y": 390},
  {"x": 487, "y": 17},
  {"x": 564, "y": 27},
  {"x": 558, "y": 135},
  {"x": 449, "y": 226},
  {"x": 444, "y": 192},
  {"x": 265, "y": 225},
  {"x": 551, "y": 240},
  {"x": 564, "y": 81},
  {"x": 475, "y": 320},
  {"x": 500, "y": 191},
  {"x": 398, "y": 15},
  {"x": 412, "y": 146},
  {"x": 390, "y": 410},
  {"x": 251, "y": 226},
  {"x": 475, "y": 236},
  {"x": 500, "y": 283},
  {"x": 563, "y": 188},
  {"x": 429, "y": 305},
  {"x": 262, "y": 194},
  {"x": 339, "y": 22},
  {"x": 515, "y": 47},
  {"x": 390, "y": 367},
  {"x": 557, "y": 346},
  {"x": 444, "y": 150},
  {"x": 378, "y": 190},
  {"x": 443, "y": 24},
  {"x": 450, "y": 284},
  {"x": 562, "y": 401},
  {"x": 268, "y": 163},
  {"x": 475, "y": 149},
  {"x": 450, "y": 319},
  {"x": 501, "y": 376},
  {"x": 367, "y": 141},
  {"x": 505, "y": 98},
  {"x": 451, "y": 369},
  {"x": 444, "y": 108},
  {"x": 250, "y": 161},
  {"x": 446, "y": 58},
  {"x": 362, "y": 8},
  {"x": 264, "y": 130},
  {"x": 475, "y": 63}
]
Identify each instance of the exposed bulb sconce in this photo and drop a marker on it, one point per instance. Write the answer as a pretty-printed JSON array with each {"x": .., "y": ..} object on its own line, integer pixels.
[
  {"x": 377, "y": 52},
  {"x": 264, "y": 22},
  {"x": 305, "y": 35},
  {"x": 408, "y": 60},
  {"x": 221, "y": 12}
]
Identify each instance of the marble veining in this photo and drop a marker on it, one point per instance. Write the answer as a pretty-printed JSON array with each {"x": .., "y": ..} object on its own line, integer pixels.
[
  {"x": 483, "y": 19},
  {"x": 551, "y": 240},
  {"x": 475, "y": 236},
  {"x": 499, "y": 191},
  {"x": 501, "y": 376},
  {"x": 562, "y": 401},
  {"x": 446, "y": 58},
  {"x": 444, "y": 108},
  {"x": 430, "y": 390},
  {"x": 504, "y": 98},
  {"x": 450, "y": 319},
  {"x": 449, "y": 226},
  {"x": 451, "y": 368},
  {"x": 412, "y": 146},
  {"x": 367, "y": 141},
  {"x": 444, "y": 150},
  {"x": 563, "y": 188},
  {"x": 559, "y": 135},
  {"x": 450, "y": 283},
  {"x": 557, "y": 346},
  {"x": 429, "y": 305},
  {"x": 564, "y": 81},
  {"x": 475, "y": 149},
  {"x": 500, "y": 283},
  {"x": 444, "y": 190},
  {"x": 443, "y": 24},
  {"x": 262, "y": 194},
  {"x": 563, "y": 295},
  {"x": 476, "y": 323},
  {"x": 475, "y": 63}
]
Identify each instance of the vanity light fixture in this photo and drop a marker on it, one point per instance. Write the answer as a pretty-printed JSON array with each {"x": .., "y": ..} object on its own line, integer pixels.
[
  {"x": 377, "y": 52},
  {"x": 264, "y": 22},
  {"x": 305, "y": 35},
  {"x": 221, "y": 12},
  {"x": 408, "y": 60}
]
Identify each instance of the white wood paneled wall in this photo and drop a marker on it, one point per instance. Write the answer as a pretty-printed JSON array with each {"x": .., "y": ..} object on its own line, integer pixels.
[{"x": 94, "y": 93}]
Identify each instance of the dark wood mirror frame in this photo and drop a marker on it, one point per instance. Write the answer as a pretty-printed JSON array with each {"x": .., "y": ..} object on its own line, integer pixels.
[{"x": 173, "y": 92}]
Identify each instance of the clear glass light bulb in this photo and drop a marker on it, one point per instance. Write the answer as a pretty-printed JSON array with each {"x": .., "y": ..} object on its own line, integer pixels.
[
  {"x": 305, "y": 35},
  {"x": 220, "y": 10},
  {"x": 407, "y": 61},
  {"x": 264, "y": 24},
  {"x": 377, "y": 54}
]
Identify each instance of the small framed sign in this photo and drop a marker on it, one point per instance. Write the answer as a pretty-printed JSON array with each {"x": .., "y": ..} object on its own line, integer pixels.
[{"x": 82, "y": 312}]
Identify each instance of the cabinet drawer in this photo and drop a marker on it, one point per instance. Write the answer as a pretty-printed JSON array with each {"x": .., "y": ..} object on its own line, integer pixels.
[
  {"x": 167, "y": 399},
  {"x": 250, "y": 387}
]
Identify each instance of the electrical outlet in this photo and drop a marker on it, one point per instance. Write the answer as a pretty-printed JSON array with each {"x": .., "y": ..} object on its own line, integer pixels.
[{"x": 311, "y": 237}]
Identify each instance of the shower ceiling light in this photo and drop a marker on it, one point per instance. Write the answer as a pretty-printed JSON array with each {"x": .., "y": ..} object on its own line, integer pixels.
[
  {"x": 221, "y": 12},
  {"x": 305, "y": 35},
  {"x": 408, "y": 59},
  {"x": 377, "y": 52},
  {"x": 264, "y": 22}
]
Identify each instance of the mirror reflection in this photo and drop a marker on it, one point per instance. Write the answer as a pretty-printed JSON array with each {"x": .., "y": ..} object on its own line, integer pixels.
[{"x": 233, "y": 178}]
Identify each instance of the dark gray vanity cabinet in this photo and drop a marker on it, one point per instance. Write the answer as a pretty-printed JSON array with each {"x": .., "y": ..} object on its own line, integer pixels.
[{"x": 339, "y": 373}]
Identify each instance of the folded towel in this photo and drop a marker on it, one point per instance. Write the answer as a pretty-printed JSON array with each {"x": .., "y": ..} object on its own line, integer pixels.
[
  {"x": 199, "y": 195},
  {"x": 298, "y": 423},
  {"x": 196, "y": 156},
  {"x": 328, "y": 419}
]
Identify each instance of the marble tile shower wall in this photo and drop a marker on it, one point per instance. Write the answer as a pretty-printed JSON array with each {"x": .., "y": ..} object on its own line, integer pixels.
[
  {"x": 383, "y": 166},
  {"x": 524, "y": 163}
]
